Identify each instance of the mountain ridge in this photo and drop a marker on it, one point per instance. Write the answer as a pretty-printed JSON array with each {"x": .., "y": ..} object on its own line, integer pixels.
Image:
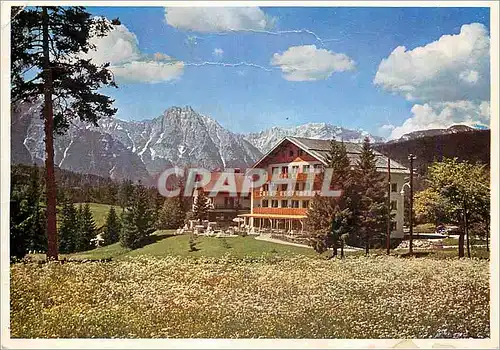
[{"x": 180, "y": 136}]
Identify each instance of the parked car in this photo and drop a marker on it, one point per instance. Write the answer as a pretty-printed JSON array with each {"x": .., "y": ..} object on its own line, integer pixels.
[{"x": 447, "y": 229}]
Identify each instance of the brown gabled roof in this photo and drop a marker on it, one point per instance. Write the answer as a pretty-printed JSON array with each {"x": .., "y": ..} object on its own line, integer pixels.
[
  {"x": 319, "y": 150},
  {"x": 239, "y": 179}
]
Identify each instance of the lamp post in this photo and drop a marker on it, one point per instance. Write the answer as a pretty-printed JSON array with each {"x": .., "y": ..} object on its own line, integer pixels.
[
  {"x": 411, "y": 158},
  {"x": 388, "y": 237}
]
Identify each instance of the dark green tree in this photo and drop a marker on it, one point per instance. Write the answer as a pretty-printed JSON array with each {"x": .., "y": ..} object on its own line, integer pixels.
[
  {"x": 37, "y": 237},
  {"x": 69, "y": 229},
  {"x": 201, "y": 206},
  {"x": 112, "y": 227},
  {"x": 88, "y": 229},
  {"x": 111, "y": 193},
  {"x": 27, "y": 212},
  {"x": 138, "y": 220},
  {"x": 125, "y": 193},
  {"x": 331, "y": 217},
  {"x": 171, "y": 214},
  {"x": 47, "y": 43},
  {"x": 372, "y": 208}
]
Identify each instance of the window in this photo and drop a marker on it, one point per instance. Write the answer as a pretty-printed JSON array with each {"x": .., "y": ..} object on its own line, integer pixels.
[
  {"x": 284, "y": 203},
  {"x": 295, "y": 169},
  {"x": 297, "y": 186},
  {"x": 265, "y": 187},
  {"x": 284, "y": 170},
  {"x": 305, "y": 204},
  {"x": 305, "y": 168},
  {"x": 394, "y": 187},
  {"x": 394, "y": 205},
  {"x": 284, "y": 187},
  {"x": 295, "y": 203},
  {"x": 291, "y": 153},
  {"x": 318, "y": 167},
  {"x": 306, "y": 186},
  {"x": 265, "y": 203},
  {"x": 274, "y": 203}
]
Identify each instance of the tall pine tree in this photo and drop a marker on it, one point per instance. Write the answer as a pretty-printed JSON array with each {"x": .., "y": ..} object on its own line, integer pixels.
[
  {"x": 36, "y": 229},
  {"x": 172, "y": 214},
  {"x": 112, "y": 227},
  {"x": 88, "y": 229},
  {"x": 138, "y": 219},
  {"x": 27, "y": 214},
  {"x": 372, "y": 208},
  {"x": 201, "y": 206},
  {"x": 125, "y": 193},
  {"x": 48, "y": 42},
  {"x": 69, "y": 229},
  {"x": 330, "y": 218}
]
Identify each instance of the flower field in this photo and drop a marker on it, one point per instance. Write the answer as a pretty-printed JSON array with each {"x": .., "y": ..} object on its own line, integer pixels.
[{"x": 270, "y": 297}]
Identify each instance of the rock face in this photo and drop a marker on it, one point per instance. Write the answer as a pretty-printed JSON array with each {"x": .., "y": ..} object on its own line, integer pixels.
[
  {"x": 266, "y": 139},
  {"x": 133, "y": 150},
  {"x": 82, "y": 148}
]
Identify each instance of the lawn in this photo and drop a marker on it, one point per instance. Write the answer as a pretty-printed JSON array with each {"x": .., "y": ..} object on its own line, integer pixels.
[
  {"x": 289, "y": 297},
  {"x": 164, "y": 243}
]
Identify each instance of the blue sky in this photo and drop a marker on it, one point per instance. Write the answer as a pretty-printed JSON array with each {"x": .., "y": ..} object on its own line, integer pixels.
[{"x": 248, "y": 98}]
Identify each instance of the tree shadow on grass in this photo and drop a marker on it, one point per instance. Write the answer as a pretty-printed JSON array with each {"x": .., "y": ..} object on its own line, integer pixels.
[{"x": 154, "y": 238}]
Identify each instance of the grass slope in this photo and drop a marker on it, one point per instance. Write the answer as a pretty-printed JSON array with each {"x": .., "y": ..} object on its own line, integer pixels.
[{"x": 164, "y": 243}]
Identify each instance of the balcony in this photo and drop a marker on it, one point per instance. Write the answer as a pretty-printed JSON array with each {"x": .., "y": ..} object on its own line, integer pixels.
[
  {"x": 300, "y": 176},
  {"x": 280, "y": 211},
  {"x": 229, "y": 207},
  {"x": 306, "y": 193}
]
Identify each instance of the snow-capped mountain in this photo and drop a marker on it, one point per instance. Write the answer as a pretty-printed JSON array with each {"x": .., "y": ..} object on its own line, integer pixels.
[
  {"x": 82, "y": 148},
  {"x": 134, "y": 150},
  {"x": 182, "y": 137},
  {"x": 265, "y": 140}
]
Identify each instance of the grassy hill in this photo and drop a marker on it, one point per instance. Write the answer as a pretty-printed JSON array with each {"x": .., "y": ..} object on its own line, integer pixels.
[{"x": 164, "y": 243}]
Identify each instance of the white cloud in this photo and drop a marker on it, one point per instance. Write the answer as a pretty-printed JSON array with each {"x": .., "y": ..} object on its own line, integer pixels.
[
  {"x": 218, "y": 52},
  {"x": 119, "y": 46},
  {"x": 386, "y": 130},
  {"x": 308, "y": 63},
  {"x": 148, "y": 71},
  {"x": 121, "y": 49},
  {"x": 455, "y": 67},
  {"x": 218, "y": 19},
  {"x": 439, "y": 115},
  {"x": 469, "y": 76}
]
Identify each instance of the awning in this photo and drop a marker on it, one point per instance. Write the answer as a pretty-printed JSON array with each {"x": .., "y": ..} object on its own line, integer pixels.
[{"x": 273, "y": 216}]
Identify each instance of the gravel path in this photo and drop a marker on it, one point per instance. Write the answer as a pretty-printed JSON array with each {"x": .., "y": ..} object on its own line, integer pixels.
[{"x": 279, "y": 241}]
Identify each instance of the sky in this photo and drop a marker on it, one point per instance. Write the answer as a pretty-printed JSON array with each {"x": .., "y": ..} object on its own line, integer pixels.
[{"x": 388, "y": 71}]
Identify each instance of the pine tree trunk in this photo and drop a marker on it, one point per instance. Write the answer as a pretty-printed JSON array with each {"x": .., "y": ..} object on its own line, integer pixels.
[
  {"x": 487, "y": 243},
  {"x": 461, "y": 245},
  {"x": 466, "y": 228},
  {"x": 367, "y": 244},
  {"x": 49, "y": 143}
]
